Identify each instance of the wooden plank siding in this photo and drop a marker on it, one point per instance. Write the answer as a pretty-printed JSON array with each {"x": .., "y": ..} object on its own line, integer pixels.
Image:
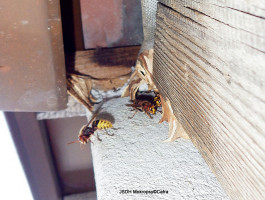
[
  {"x": 107, "y": 68},
  {"x": 209, "y": 61},
  {"x": 104, "y": 62}
]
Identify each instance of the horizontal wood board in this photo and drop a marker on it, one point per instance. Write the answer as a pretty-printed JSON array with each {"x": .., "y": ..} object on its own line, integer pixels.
[
  {"x": 209, "y": 61},
  {"x": 103, "y": 62}
]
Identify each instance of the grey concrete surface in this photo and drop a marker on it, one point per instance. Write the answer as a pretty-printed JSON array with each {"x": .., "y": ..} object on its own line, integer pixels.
[{"x": 135, "y": 158}]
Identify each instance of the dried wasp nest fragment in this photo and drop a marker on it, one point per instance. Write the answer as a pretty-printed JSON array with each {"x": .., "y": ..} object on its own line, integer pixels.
[
  {"x": 80, "y": 87},
  {"x": 175, "y": 128},
  {"x": 144, "y": 74},
  {"x": 103, "y": 72}
]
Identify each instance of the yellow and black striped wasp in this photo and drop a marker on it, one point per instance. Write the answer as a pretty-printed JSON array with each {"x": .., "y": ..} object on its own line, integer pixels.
[
  {"x": 86, "y": 132},
  {"x": 157, "y": 100},
  {"x": 146, "y": 103}
]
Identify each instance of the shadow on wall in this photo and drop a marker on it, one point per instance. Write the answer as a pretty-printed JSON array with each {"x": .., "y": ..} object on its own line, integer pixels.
[{"x": 78, "y": 181}]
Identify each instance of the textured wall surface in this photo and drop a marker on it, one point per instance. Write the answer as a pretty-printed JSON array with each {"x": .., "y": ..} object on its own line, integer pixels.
[{"x": 135, "y": 158}]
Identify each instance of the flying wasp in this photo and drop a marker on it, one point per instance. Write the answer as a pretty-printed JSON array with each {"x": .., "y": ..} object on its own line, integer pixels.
[{"x": 86, "y": 132}]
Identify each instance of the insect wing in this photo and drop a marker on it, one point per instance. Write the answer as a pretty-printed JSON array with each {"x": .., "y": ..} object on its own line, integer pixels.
[{"x": 94, "y": 115}]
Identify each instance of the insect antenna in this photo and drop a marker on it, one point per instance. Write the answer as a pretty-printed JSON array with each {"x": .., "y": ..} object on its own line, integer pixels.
[{"x": 76, "y": 141}]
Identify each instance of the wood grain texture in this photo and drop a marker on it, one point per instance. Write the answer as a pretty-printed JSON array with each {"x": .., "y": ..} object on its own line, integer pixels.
[
  {"x": 104, "y": 62},
  {"x": 209, "y": 61},
  {"x": 107, "y": 68}
]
